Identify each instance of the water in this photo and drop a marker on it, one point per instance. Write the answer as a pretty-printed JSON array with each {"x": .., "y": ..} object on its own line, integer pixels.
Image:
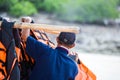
[{"x": 106, "y": 67}]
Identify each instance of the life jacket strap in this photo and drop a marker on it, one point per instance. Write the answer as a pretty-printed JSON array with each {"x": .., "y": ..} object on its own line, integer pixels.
[{"x": 14, "y": 61}]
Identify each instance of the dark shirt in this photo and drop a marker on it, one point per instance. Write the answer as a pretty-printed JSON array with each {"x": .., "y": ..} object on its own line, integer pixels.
[{"x": 50, "y": 64}]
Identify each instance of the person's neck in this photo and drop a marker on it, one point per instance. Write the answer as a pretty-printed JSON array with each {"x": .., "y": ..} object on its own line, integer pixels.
[{"x": 63, "y": 47}]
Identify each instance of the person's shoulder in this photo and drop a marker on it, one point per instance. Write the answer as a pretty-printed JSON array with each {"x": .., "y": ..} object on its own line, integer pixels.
[{"x": 72, "y": 62}]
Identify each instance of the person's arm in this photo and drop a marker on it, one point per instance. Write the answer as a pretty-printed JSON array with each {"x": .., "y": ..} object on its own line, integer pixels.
[
  {"x": 36, "y": 49},
  {"x": 33, "y": 47},
  {"x": 25, "y": 32}
]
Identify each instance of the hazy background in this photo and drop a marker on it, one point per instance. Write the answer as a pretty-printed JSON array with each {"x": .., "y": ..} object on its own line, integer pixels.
[{"x": 98, "y": 43}]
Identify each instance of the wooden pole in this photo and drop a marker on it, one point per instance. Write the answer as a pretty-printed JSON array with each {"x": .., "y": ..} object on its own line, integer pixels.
[{"x": 54, "y": 29}]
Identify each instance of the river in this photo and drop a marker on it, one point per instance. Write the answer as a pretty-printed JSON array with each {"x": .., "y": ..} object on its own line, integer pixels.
[{"x": 105, "y": 67}]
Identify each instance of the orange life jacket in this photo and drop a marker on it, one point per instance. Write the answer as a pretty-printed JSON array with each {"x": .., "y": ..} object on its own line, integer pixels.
[
  {"x": 42, "y": 37},
  {"x": 8, "y": 60},
  {"x": 25, "y": 62},
  {"x": 84, "y": 73},
  {"x": 3, "y": 72}
]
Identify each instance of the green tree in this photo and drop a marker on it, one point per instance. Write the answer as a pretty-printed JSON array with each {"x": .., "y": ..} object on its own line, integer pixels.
[
  {"x": 89, "y": 10},
  {"x": 23, "y": 8}
]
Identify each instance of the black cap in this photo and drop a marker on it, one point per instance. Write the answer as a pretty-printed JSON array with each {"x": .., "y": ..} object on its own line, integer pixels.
[{"x": 67, "y": 38}]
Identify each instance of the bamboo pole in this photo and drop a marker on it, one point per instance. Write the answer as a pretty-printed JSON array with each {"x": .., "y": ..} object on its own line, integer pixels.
[{"x": 53, "y": 29}]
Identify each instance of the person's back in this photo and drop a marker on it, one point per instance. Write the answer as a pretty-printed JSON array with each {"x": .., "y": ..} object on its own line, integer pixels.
[{"x": 51, "y": 64}]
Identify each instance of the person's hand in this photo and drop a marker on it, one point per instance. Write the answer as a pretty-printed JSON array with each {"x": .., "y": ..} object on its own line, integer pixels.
[
  {"x": 26, "y": 19},
  {"x": 25, "y": 32},
  {"x": 73, "y": 55}
]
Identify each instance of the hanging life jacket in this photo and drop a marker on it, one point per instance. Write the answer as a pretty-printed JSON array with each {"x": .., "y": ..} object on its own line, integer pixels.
[
  {"x": 84, "y": 73},
  {"x": 3, "y": 73},
  {"x": 9, "y": 69},
  {"x": 26, "y": 63}
]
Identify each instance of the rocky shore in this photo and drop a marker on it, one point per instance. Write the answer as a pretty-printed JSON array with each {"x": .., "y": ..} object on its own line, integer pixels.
[
  {"x": 100, "y": 39},
  {"x": 92, "y": 38}
]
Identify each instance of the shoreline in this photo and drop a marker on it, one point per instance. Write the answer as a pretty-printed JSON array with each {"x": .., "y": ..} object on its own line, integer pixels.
[{"x": 91, "y": 39}]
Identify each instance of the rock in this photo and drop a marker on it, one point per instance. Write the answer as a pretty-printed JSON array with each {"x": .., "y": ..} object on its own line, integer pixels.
[{"x": 92, "y": 38}]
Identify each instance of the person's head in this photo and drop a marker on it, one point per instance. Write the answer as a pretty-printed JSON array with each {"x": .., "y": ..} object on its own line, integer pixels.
[{"x": 66, "y": 39}]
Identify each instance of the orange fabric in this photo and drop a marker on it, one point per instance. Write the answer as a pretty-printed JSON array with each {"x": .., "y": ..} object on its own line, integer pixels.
[
  {"x": 81, "y": 75},
  {"x": 18, "y": 52},
  {"x": 1, "y": 76},
  {"x": 42, "y": 37},
  {"x": 84, "y": 73},
  {"x": 2, "y": 58},
  {"x": 23, "y": 44}
]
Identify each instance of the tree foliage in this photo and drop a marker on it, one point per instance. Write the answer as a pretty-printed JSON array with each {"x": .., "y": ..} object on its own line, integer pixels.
[
  {"x": 70, "y": 10},
  {"x": 90, "y": 10},
  {"x": 23, "y": 8}
]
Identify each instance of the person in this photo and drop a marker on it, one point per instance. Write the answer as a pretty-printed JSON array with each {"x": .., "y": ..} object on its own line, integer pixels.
[{"x": 51, "y": 63}]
